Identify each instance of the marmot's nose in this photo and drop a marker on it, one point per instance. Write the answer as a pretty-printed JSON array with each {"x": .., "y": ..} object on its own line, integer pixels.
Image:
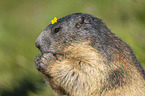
[
  {"x": 38, "y": 41},
  {"x": 37, "y": 44}
]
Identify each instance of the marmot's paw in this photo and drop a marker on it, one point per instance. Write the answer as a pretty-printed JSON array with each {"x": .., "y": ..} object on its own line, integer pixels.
[{"x": 43, "y": 61}]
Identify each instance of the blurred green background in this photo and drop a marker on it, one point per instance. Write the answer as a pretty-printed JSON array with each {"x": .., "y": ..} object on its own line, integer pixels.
[{"x": 21, "y": 21}]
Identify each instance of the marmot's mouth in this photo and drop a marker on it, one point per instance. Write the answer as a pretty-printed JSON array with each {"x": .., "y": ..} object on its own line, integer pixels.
[
  {"x": 39, "y": 65},
  {"x": 38, "y": 56},
  {"x": 38, "y": 60}
]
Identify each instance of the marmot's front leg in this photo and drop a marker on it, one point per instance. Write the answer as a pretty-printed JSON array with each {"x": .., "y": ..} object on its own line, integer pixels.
[{"x": 44, "y": 61}]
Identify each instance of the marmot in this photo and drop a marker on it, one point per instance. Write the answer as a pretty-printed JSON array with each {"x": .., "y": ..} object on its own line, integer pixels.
[{"x": 82, "y": 57}]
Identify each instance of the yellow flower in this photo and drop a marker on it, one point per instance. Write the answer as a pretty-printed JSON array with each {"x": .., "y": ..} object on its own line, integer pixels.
[{"x": 54, "y": 20}]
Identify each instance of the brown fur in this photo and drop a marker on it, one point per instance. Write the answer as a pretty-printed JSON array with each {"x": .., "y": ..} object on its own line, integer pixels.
[{"x": 82, "y": 69}]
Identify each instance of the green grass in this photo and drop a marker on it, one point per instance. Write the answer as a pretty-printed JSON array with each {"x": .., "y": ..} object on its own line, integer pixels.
[{"x": 21, "y": 21}]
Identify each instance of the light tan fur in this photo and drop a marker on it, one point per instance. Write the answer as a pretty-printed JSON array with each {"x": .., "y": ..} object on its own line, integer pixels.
[{"x": 89, "y": 65}]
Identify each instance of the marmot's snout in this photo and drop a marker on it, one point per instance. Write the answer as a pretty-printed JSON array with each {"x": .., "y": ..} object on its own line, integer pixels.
[{"x": 43, "y": 44}]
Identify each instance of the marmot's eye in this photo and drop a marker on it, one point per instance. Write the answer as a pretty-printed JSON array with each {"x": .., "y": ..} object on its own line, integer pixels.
[{"x": 56, "y": 30}]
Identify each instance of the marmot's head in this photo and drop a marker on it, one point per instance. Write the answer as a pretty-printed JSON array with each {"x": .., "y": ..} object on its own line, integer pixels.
[{"x": 78, "y": 27}]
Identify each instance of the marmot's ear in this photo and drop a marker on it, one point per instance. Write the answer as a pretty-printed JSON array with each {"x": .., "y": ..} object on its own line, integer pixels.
[
  {"x": 80, "y": 22},
  {"x": 83, "y": 20}
]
